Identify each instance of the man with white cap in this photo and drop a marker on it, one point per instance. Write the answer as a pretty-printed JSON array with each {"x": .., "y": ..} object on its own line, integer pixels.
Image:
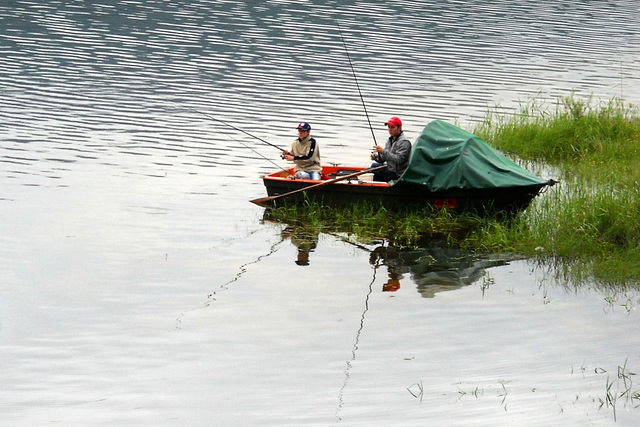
[{"x": 395, "y": 154}]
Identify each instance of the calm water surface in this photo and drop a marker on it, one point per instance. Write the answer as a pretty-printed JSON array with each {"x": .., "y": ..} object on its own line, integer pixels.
[{"x": 138, "y": 286}]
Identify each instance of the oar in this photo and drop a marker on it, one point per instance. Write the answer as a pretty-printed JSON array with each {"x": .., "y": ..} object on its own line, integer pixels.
[{"x": 264, "y": 201}]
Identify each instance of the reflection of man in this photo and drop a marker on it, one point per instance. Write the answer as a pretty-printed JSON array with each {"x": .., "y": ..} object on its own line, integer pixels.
[
  {"x": 392, "y": 285},
  {"x": 305, "y": 242},
  {"x": 305, "y": 245},
  {"x": 388, "y": 256}
]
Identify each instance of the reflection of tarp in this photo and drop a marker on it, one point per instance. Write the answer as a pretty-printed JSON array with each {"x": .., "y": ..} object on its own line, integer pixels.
[
  {"x": 447, "y": 157},
  {"x": 438, "y": 269}
]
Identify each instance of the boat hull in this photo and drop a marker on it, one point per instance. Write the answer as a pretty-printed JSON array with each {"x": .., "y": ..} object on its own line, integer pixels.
[{"x": 362, "y": 189}]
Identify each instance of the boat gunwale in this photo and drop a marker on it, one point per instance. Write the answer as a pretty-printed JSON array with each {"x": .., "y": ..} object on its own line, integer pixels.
[{"x": 326, "y": 170}]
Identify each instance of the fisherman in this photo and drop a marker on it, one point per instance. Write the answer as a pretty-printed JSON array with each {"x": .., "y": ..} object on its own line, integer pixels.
[
  {"x": 395, "y": 154},
  {"x": 305, "y": 154}
]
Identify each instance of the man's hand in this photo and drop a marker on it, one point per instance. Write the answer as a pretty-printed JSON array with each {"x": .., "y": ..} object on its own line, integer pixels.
[
  {"x": 375, "y": 151},
  {"x": 287, "y": 155}
]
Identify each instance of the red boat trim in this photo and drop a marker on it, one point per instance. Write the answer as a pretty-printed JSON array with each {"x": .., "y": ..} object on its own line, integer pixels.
[{"x": 445, "y": 203}]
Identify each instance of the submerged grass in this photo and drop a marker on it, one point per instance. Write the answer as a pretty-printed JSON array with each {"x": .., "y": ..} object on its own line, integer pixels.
[
  {"x": 365, "y": 221},
  {"x": 588, "y": 226}
]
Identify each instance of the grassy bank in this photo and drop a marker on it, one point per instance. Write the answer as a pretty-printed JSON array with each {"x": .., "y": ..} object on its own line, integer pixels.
[
  {"x": 587, "y": 140},
  {"x": 588, "y": 226}
]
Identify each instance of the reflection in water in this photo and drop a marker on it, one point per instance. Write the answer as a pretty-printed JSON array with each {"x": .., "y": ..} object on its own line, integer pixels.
[
  {"x": 305, "y": 241},
  {"x": 388, "y": 255},
  {"x": 434, "y": 269},
  {"x": 98, "y": 131}
]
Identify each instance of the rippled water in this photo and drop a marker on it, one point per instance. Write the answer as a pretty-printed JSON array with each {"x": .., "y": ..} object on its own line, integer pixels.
[{"x": 139, "y": 287}]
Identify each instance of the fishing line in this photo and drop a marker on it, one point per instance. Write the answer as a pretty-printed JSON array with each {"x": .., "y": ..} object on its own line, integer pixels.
[
  {"x": 245, "y": 145},
  {"x": 259, "y": 154},
  {"x": 236, "y": 128},
  {"x": 353, "y": 71}
]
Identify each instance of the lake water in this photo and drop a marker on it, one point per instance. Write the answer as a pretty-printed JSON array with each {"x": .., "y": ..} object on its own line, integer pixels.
[{"x": 138, "y": 286}]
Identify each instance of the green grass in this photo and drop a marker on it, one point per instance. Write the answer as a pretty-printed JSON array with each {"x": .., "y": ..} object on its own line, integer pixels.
[
  {"x": 587, "y": 227},
  {"x": 581, "y": 137},
  {"x": 590, "y": 223}
]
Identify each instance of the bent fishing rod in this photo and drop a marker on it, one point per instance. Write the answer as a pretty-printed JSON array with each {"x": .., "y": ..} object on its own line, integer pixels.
[
  {"x": 353, "y": 71},
  {"x": 236, "y": 128}
]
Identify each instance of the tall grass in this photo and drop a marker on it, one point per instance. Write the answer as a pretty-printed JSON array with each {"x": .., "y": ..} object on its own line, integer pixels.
[
  {"x": 591, "y": 222},
  {"x": 572, "y": 129}
]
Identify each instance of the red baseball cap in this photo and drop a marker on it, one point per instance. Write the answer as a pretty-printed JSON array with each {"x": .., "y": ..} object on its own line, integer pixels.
[{"x": 394, "y": 121}]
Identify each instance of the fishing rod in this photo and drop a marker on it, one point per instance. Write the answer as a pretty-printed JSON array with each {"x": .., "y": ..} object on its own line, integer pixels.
[
  {"x": 245, "y": 145},
  {"x": 264, "y": 157},
  {"x": 353, "y": 71},
  {"x": 236, "y": 128}
]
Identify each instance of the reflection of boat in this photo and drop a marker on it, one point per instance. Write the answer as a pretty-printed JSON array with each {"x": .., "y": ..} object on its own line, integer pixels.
[
  {"x": 449, "y": 167},
  {"x": 435, "y": 269}
]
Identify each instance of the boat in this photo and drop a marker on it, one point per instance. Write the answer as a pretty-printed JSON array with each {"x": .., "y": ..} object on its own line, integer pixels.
[{"x": 448, "y": 168}]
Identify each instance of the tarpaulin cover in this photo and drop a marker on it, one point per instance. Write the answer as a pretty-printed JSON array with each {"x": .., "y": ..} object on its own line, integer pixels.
[{"x": 446, "y": 157}]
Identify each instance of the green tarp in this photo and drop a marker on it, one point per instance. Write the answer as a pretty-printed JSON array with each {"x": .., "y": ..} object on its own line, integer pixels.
[{"x": 447, "y": 157}]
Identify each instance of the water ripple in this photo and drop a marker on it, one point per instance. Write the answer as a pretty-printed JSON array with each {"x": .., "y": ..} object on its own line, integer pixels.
[{"x": 123, "y": 78}]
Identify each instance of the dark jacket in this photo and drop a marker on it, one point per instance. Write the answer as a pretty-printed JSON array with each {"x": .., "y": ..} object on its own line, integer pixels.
[{"x": 396, "y": 154}]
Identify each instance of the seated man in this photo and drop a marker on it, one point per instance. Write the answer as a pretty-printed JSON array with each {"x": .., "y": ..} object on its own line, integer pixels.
[
  {"x": 305, "y": 154},
  {"x": 395, "y": 153}
]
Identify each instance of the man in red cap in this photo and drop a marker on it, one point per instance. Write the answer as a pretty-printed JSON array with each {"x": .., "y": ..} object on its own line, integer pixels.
[{"x": 395, "y": 154}]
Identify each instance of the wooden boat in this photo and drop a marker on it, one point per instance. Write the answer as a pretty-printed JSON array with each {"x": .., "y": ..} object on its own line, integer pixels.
[
  {"x": 448, "y": 168},
  {"x": 362, "y": 189}
]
